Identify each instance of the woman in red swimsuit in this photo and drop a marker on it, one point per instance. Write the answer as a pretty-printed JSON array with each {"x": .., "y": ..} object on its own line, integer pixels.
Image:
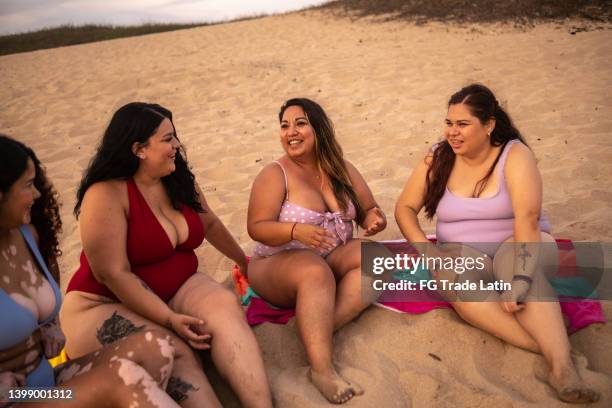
[{"x": 141, "y": 216}]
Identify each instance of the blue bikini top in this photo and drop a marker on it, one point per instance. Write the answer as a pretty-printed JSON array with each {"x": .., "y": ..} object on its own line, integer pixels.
[{"x": 16, "y": 322}]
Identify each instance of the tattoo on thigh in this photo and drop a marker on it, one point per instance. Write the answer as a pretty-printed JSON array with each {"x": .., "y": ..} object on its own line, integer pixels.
[
  {"x": 178, "y": 389},
  {"x": 116, "y": 327}
]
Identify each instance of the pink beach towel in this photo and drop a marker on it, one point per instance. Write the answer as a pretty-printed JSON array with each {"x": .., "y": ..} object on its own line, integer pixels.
[{"x": 580, "y": 313}]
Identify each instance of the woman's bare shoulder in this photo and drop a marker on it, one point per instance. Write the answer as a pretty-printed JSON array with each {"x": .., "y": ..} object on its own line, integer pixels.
[
  {"x": 112, "y": 191},
  {"x": 271, "y": 172},
  {"x": 519, "y": 155}
]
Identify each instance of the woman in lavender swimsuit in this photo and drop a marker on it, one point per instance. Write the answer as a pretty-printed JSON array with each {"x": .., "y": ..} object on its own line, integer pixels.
[
  {"x": 484, "y": 187},
  {"x": 301, "y": 211}
]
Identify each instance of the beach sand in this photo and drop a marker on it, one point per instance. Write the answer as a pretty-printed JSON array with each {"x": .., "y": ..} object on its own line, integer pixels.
[{"x": 385, "y": 86}]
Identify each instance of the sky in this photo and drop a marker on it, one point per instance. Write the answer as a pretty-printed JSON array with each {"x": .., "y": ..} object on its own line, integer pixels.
[{"x": 25, "y": 15}]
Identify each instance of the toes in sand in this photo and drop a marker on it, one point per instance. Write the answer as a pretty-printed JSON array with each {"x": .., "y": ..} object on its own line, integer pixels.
[
  {"x": 333, "y": 387},
  {"x": 571, "y": 388}
]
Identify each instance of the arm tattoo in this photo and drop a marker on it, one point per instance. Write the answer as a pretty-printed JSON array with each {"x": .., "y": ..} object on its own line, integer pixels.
[
  {"x": 524, "y": 255},
  {"x": 144, "y": 285}
]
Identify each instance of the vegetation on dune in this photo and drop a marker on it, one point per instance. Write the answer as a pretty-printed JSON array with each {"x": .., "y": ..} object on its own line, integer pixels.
[{"x": 519, "y": 12}]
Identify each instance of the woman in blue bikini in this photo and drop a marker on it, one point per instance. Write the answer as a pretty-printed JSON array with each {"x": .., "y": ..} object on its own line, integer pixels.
[
  {"x": 301, "y": 211},
  {"x": 130, "y": 372}
]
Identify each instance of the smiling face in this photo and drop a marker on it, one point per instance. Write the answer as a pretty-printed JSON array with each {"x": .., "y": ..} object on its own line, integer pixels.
[
  {"x": 464, "y": 132},
  {"x": 159, "y": 153},
  {"x": 16, "y": 203},
  {"x": 296, "y": 133}
]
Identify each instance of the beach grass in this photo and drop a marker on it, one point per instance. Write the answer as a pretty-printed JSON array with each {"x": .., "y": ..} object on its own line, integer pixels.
[
  {"x": 72, "y": 35},
  {"x": 519, "y": 12}
]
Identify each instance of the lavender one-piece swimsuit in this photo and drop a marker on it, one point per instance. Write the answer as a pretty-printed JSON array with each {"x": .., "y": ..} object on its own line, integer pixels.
[{"x": 482, "y": 223}]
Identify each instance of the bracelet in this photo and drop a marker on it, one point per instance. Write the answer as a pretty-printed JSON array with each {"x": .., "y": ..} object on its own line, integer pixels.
[
  {"x": 524, "y": 278},
  {"x": 292, "y": 229}
]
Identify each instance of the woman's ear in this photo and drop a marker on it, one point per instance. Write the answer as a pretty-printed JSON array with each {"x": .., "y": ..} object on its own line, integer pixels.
[
  {"x": 137, "y": 150},
  {"x": 490, "y": 126}
]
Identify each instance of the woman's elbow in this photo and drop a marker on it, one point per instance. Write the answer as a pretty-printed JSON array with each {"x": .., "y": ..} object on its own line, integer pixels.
[
  {"x": 104, "y": 276},
  {"x": 252, "y": 230},
  {"x": 529, "y": 220},
  {"x": 398, "y": 210}
]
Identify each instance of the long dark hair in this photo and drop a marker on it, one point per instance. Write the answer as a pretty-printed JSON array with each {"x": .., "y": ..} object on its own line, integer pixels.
[
  {"x": 45, "y": 214},
  {"x": 114, "y": 159},
  {"x": 483, "y": 105},
  {"x": 328, "y": 153}
]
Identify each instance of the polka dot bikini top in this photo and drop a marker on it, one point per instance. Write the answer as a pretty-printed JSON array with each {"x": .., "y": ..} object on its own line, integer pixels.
[{"x": 338, "y": 223}]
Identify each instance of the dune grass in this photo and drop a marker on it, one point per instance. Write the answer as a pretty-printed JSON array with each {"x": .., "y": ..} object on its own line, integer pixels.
[
  {"x": 72, "y": 35},
  {"x": 518, "y": 12}
]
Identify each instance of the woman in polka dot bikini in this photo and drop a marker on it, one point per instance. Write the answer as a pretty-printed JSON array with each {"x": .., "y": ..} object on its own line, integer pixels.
[{"x": 301, "y": 214}]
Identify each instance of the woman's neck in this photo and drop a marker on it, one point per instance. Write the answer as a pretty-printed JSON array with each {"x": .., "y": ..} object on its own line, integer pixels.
[
  {"x": 309, "y": 164},
  {"x": 478, "y": 157},
  {"x": 144, "y": 179}
]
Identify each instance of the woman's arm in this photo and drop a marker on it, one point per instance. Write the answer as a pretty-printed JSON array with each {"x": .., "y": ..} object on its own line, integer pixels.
[
  {"x": 103, "y": 225},
  {"x": 52, "y": 336},
  {"x": 218, "y": 235},
  {"x": 267, "y": 196},
  {"x": 375, "y": 219},
  {"x": 525, "y": 187},
  {"x": 411, "y": 202}
]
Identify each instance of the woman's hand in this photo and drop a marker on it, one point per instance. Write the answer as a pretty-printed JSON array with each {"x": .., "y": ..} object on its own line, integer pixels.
[
  {"x": 374, "y": 222},
  {"x": 9, "y": 380},
  {"x": 189, "y": 328},
  {"x": 53, "y": 338},
  {"x": 315, "y": 237},
  {"x": 511, "y": 299},
  {"x": 243, "y": 266}
]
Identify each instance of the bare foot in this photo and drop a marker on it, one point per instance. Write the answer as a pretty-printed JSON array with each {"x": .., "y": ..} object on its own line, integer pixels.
[
  {"x": 332, "y": 386},
  {"x": 571, "y": 388},
  {"x": 357, "y": 389}
]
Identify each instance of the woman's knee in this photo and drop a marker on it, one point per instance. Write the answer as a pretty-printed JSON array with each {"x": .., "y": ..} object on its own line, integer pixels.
[
  {"x": 316, "y": 274},
  {"x": 221, "y": 302},
  {"x": 152, "y": 349}
]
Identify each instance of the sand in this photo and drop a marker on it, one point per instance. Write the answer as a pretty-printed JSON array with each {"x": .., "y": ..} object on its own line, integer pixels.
[{"x": 385, "y": 86}]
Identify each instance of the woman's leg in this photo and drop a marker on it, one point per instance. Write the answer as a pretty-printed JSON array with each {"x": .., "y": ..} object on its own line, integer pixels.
[
  {"x": 486, "y": 315},
  {"x": 90, "y": 325},
  {"x": 302, "y": 279},
  {"x": 354, "y": 291},
  {"x": 132, "y": 372},
  {"x": 544, "y": 322},
  {"x": 234, "y": 348}
]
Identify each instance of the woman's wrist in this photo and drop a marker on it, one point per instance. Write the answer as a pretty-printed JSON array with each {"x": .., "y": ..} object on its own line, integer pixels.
[
  {"x": 292, "y": 236},
  {"x": 241, "y": 260},
  {"x": 167, "y": 321}
]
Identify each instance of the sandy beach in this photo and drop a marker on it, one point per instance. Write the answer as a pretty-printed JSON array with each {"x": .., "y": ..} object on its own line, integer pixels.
[{"x": 385, "y": 86}]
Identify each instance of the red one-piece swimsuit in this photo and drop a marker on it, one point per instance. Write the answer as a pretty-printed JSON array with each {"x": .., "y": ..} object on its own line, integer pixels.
[{"x": 152, "y": 258}]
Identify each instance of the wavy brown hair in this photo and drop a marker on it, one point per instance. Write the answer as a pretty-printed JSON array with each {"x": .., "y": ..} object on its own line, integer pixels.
[
  {"x": 328, "y": 153},
  {"x": 45, "y": 212},
  {"x": 484, "y": 106}
]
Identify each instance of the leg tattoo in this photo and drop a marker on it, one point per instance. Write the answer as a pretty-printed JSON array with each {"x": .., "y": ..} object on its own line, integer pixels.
[
  {"x": 114, "y": 328},
  {"x": 178, "y": 389}
]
